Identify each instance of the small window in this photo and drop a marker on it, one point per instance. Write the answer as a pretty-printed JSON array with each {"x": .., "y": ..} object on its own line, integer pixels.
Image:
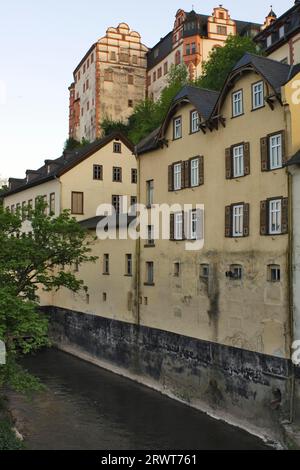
[
  {"x": 134, "y": 59},
  {"x": 113, "y": 56},
  {"x": 150, "y": 235},
  {"x": 77, "y": 203},
  {"x": 154, "y": 76},
  {"x": 269, "y": 40},
  {"x": 128, "y": 267},
  {"x": 146, "y": 301},
  {"x": 159, "y": 72},
  {"x": 281, "y": 31},
  {"x": 134, "y": 176},
  {"x": 258, "y": 95},
  {"x": 222, "y": 30},
  {"x": 117, "y": 174},
  {"x": 274, "y": 273},
  {"x": 275, "y": 216},
  {"x": 149, "y": 273},
  {"x": 165, "y": 68},
  {"x": 193, "y": 225},
  {"x": 177, "y": 177},
  {"x": 194, "y": 122},
  {"x": 133, "y": 203},
  {"x": 177, "y": 269},
  {"x": 106, "y": 263},
  {"x": 108, "y": 76},
  {"x": 52, "y": 203},
  {"x": 238, "y": 220},
  {"x": 150, "y": 192},
  {"x": 204, "y": 271},
  {"x": 117, "y": 147},
  {"x": 236, "y": 272},
  {"x": 116, "y": 203},
  {"x": 238, "y": 161},
  {"x": 237, "y": 103},
  {"x": 177, "y": 128},
  {"x": 195, "y": 172},
  {"x": 130, "y": 80},
  {"x": 275, "y": 145},
  {"x": 104, "y": 296},
  {"x": 178, "y": 226},
  {"x": 97, "y": 172},
  {"x": 130, "y": 103}
]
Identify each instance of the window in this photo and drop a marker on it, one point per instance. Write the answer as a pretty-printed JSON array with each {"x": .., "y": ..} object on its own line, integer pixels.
[
  {"x": 165, "y": 68},
  {"x": 281, "y": 31},
  {"x": 159, "y": 72},
  {"x": 177, "y": 58},
  {"x": 194, "y": 122},
  {"x": 92, "y": 58},
  {"x": 204, "y": 271},
  {"x": 195, "y": 172},
  {"x": 150, "y": 235},
  {"x": 88, "y": 106},
  {"x": 117, "y": 174},
  {"x": 108, "y": 76},
  {"x": 130, "y": 103},
  {"x": 128, "y": 267},
  {"x": 177, "y": 128},
  {"x": 177, "y": 176},
  {"x": 24, "y": 207},
  {"x": 52, "y": 203},
  {"x": 134, "y": 59},
  {"x": 149, "y": 273},
  {"x": 238, "y": 220},
  {"x": 77, "y": 203},
  {"x": 188, "y": 49},
  {"x": 154, "y": 76},
  {"x": 134, "y": 175},
  {"x": 124, "y": 57},
  {"x": 237, "y": 103},
  {"x": 236, "y": 272},
  {"x": 269, "y": 40},
  {"x": 117, "y": 147},
  {"x": 104, "y": 296},
  {"x": 113, "y": 55},
  {"x": 193, "y": 225},
  {"x": 275, "y": 143},
  {"x": 258, "y": 95},
  {"x": 97, "y": 172},
  {"x": 178, "y": 226},
  {"x": 194, "y": 48},
  {"x": 116, "y": 203},
  {"x": 106, "y": 263},
  {"x": 150, "y": 192},
  {"x": 274, "y": 273},
  {"x": 176, "y": 269},
  {"x": 130, "y": 80},
  {"x": 238, "y": 161},
  {"x": 222, "y": 30},
  {"x": 133, "y": 202},
  {"x": 87, "y": 85},
  {"x": 275, "y": 216}
]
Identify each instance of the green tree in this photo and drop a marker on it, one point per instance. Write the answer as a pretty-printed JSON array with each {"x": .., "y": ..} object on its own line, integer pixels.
[
  {"x": 72, "y": 144},
  {"x": 40, "y": 257},
  {"x": 108, "y": 126},
  {"x": 222, "y": 60}
]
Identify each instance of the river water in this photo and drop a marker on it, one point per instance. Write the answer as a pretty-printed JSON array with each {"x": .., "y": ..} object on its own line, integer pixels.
[{"x": 85, "y": 407}]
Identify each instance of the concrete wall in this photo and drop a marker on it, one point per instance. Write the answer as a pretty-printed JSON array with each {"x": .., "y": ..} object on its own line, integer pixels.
[{"x": 250, "y": 390}]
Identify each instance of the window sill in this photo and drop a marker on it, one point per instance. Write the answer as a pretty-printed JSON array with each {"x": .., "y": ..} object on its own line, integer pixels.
[
  {"x": 105, "y": 274},
  {"x": 128, "y": 275},
  {"x": 259, "y": 107},
  {"x": 237, "y": 116},
  {"x": 148, "y": 284},
  {"x": 149, "y": 245}
]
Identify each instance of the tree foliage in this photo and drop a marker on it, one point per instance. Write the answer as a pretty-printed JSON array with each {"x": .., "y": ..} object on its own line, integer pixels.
[
  {"x": 38, "y": 252},
  {"x": 72, "y": 144}
]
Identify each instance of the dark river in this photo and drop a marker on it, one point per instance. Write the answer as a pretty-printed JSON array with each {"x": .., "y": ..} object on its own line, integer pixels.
[{"x": 86, "y": 407}]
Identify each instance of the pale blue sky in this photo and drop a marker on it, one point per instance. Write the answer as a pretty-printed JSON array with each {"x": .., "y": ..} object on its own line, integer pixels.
[{"x": 41, "y": 42}]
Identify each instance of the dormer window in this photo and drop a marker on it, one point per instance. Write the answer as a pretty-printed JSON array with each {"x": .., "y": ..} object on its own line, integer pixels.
[
  {"x": 281, "y": 31},
  {"x": 258, "y": 95},
  {"x": 195, "y": 120},
  {"x": 177, "y": 128},
  {"x": 237, "y": 103},
  {"x": 269, "y": 40}
]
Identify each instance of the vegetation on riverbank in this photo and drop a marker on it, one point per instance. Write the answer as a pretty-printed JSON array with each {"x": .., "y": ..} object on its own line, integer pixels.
[{"x": 8, "y": 437}]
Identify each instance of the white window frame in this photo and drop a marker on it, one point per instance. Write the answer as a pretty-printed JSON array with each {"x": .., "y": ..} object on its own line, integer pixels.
[
  {"x": 281, "y": 31},
  {"x": 177, "y": 128},
  {"x": 237, "y": 103},
  {"x": 275, "y": 214},
  {"x": 178, "y": 226},
  {"x": 150, "y": 192},
  {"x": 238, "y": 220},
  {"x": 195, "y": 120},
  {"x": 238, "y": 161},
  {"x": 269, "y": 40},
  {"x": 258, "y": 95},
  {"x": 275, "y": 151},
  {"x": 195, "y": 172},
  {"x": 177, "y": 176}
]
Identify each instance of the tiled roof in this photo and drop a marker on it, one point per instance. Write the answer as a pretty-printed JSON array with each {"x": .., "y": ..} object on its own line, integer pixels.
[{"x": 61, "y": 165}]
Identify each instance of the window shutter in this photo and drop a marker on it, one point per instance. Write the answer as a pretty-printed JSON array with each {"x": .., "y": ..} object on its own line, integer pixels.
[
  {"x": 264, "y": 217},
  {"x": 228, "y": 221},
  {"x": 184, "y": 225},
  {"x": 228, "y": 163},
  {"x": 201, "y": 170},
  {"x": 283, "y": 144},
  {"x": 171, "y": 178},
  {"x": 264, "y": 151},
  {"x": 172, "y": 221},
  {"x": 247, "y": 158},
  {"x": 284, "y": 215},
  {"x": 187, "y": 174},
  {"x": 246, "y": 217},
  {"x": 182, "y": 175}
]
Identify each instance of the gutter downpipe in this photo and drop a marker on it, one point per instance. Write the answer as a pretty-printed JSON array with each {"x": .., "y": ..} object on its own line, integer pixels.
[
  {"x": 138, "y": 248},
  {"x": 291, "y": 291}
]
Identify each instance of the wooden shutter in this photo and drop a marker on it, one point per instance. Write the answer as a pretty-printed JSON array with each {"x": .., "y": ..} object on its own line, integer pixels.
[
  {"x": 283, "y": 145},
  {"x": 182, "y": 175},
  {"x": 228, "y": 163},
  {"x": 264, "y": 206},
  {"x": 201, "y": 170},
  {"x": 184, "y": 224},
  {"x": 228, "y": 221},
  {"x": 77, "y": 203},
  {"x": 247, "y": 158},
  {"x": 284, "y": 215},
  {"x": 171, "y": 178},
  {"x": 172, "y": 219},
  {"x": 246, "y": 218},
  {"x": 264, "y": 152},
  {"x": 187, "y": 174}
]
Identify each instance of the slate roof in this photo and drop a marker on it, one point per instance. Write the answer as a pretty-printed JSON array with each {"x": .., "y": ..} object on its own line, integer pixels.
[
  {"x": 61, "y": 165},
  {"x": 291, "y": 20},
  {"x": 204, "y": 100},
  {"x": 276, "y": 73}
]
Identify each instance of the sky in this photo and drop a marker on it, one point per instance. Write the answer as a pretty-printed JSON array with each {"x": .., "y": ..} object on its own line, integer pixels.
[{"x": 41, "y": 42}]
